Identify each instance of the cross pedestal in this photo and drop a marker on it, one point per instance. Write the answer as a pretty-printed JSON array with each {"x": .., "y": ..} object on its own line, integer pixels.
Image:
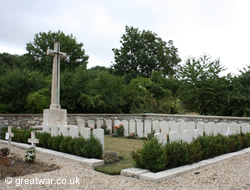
[{"x": 8, "y": 136}]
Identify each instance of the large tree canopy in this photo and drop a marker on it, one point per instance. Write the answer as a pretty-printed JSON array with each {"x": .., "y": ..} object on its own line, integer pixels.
[
  {"x": 37, "y": 52},
  {"x": 143, "y": 52}
]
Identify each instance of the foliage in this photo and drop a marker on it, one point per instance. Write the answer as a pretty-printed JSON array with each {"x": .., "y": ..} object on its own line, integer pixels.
[
  {"x": 151, "y": 135},
  {"x": 143, "y": 52},
  {"x": 152, "y": 156},
  {"x": 64, "y": 144},
  {"x": 43, "y": 139},
  {"x": 203, "y": 90},
  {"x": 39, "y": 60},
  {"x": 92, "y": 148},
  {"x": 79, "y": 146},
  {"x": 119, "y": 129},
  {"x": 176, "y": 154},
  {"x": 56, "y": 140},
  {"x": 132, "y": 136},
  {"x": 106, "y": 131},
  {"x": 30, "y": 155}
]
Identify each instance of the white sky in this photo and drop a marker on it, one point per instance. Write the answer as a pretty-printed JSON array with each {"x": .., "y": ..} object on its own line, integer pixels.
[{"x": 219, "y": 28}]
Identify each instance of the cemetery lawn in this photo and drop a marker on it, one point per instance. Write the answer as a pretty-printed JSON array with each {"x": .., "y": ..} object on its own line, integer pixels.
[{"x": 123, "y": 148}]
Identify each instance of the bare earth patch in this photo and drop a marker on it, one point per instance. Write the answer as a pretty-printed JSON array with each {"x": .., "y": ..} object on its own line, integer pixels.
[{"x": 21, "y": 168}]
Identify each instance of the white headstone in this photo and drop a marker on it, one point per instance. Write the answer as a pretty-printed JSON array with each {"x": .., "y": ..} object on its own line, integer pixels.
[
  {"x": 54, "y": 130},
  {"x": 223, "y": 126},
  {"x": 187, "y": 136},
  {"x": 99, "y": 123},
  {"x": 200, "y": 125},
  {"x": 73, "y": 131},
  {"x": 162, "y": 138},
  {"x": 174, "y": 136},
  {"x": 117, "y": 122},
  {"x": 80, "y": 123},
  {"x": 245, "y": 128},
  {"x": 139, "y": 128},
  {"x": 91, "y": 124},
  {"x": 216, "y": 129},
  {"x": 229, "y": 132},
  {"x": 125, "y": 125},
  {"x": 175, "y": 126},
  {"x": 85, "y": 133},
  {"x": 109, "y": 124},
  {"x": 198, "y": 133},
  {"x": 47, "y": 128},
  {"x": 208, "y": 128},
  {"x": 156, "y": 126},
  {"x": 132, "y": 126},
  {"x": 99, "y": 134},
  {"x": 235, "y": 128},
  {"x": 64, "y": 130},
  {"x": 182, "y": 127},
  {"x": 147, "y": 127},
  {"x": 164, "y": 127},
  {"x": 190, "y": 125}
]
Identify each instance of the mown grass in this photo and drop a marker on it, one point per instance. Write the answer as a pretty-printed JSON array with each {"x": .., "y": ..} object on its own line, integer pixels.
[{"x": 123, "y": 148}]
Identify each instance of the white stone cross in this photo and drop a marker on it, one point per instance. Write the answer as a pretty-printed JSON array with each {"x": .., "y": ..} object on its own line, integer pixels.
[
  {"x": 8, "y": 137},
  {"x": 33, "y": 139},
  {"x": 55, "y": 87}
]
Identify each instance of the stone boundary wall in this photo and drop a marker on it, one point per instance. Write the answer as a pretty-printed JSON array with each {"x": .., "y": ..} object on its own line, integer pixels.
[{"x": 28, "y": 120}]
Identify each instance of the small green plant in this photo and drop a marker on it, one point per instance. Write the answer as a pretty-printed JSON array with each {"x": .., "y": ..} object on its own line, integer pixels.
[
  {"x": 132, "y": 136},
  {"x": 119, "y": 129},
  {"x": 110, "y": 157},
  {"x": 30, "y": 155},
  {"x": 106, "y": 131},
  {"x": 92, "y": 148},
  {"x": 151, "y": 135}
]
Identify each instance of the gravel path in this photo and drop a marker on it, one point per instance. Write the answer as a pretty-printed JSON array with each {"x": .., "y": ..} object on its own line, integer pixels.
[{"x": 233, "y": 173}]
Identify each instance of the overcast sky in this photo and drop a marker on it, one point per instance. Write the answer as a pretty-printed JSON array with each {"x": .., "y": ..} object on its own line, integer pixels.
[{"x": 219, "y": 28}]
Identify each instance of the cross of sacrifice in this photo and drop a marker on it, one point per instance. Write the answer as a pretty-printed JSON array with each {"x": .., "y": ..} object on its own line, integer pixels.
[
  {"x": 8, "y": 136},
  {"x": 33, "y": 139},
  {"x": 55, "y": 88}
]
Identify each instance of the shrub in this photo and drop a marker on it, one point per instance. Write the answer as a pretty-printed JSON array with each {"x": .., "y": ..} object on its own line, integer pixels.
[
  {"x": 119, "y": 129},
  {"x": 136, "y": 155},
  {"x": 151, "y": 135},
  {"x": 56, "y": 140},
  {"x": 195, "y": 152},
  {"x": 79, "y": 145},
  {"x": 152, "y": 156},
  {"x": 92, "y": 148},
  {"x": 106, "y": 131},
  {"x": 4, "y": 130},
  {"x": 235, "y": 143},
  {"x": 43, "y": 139},
  {"x": 132, "y": 136},
  {"x": 64, "y": 145},
  {"x": 176, "y": 154},
  {"x": 71, "y": 146},
  {"x": 204, "y": 142}
]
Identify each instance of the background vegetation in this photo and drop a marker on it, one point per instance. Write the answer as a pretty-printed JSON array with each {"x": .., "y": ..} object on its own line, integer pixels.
[{"x": 146, "y": 77}]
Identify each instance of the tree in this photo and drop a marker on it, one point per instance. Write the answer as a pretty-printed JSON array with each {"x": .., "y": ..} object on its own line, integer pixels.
[
  {"x": 143, "y": 52},
  {"x": 37, "y": 52},
  {"x": 239, "y": 99},
  {"x": 202, "y": 89}
]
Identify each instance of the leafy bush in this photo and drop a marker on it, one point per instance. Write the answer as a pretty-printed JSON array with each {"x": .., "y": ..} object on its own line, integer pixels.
[
  {"x": 4, "y": 130},
  {"x": 132, "y": 136},
  {"x": 152, "y": 156},
  {"x": 195, "y": 152},
  {"x": 235, "y": 143},
  {"x": 71, "y": 146},
  {"x": 56, "y": 140},
  {"x": 79, "y": 145},
  {"x": 176, "y": 154},
  {"x": 136, "y": 155},
  {"x": 151, "y": 135},
  {"x": 106, "y": 131},
  {"x": 92, "y": 148},
  {"x": 119, "y": 129},
  {"x": 64, "y": 145},
  {"x": 43, "y": 139}
]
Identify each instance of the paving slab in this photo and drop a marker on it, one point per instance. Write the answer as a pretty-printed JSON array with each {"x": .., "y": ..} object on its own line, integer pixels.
[{"x": 92, "y": 162}]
